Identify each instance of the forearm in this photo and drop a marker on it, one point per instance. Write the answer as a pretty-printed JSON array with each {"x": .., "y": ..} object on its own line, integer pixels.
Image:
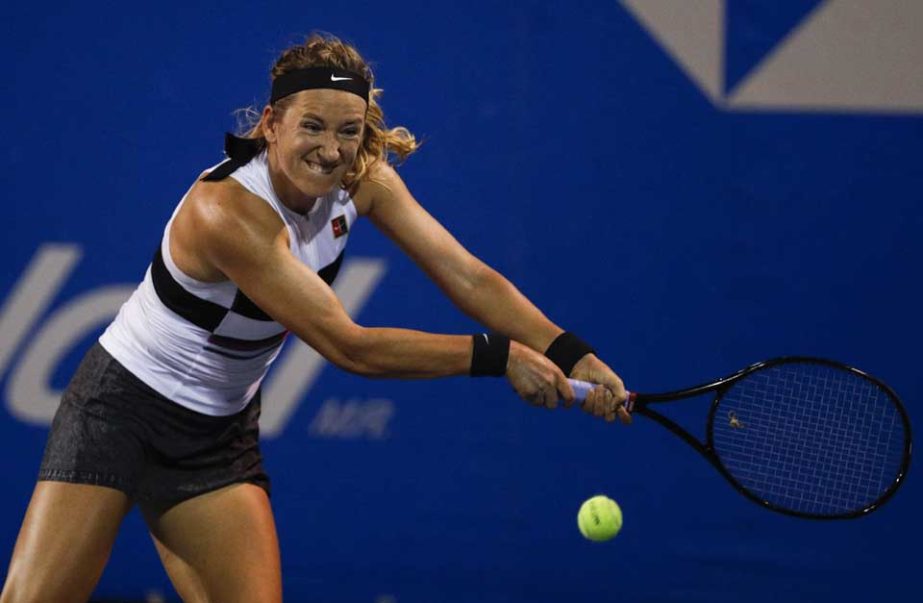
[
  {"x": 495, "y": 302},
  {"x": 405, "y": 354}
]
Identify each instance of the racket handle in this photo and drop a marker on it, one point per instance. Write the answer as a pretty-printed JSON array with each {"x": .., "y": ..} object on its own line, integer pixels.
[{"x": 583, "y": 388}]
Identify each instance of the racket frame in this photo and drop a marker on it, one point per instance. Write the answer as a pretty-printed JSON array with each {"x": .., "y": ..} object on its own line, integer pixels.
[{"x": 639, "y": 402}]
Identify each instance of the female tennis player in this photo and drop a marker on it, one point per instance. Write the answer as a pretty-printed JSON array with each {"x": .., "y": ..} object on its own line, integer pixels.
[{"x": 163, "y": 410}]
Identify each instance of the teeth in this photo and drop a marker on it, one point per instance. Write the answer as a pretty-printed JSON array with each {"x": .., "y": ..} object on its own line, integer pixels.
[{"x": 316, "y": 167}]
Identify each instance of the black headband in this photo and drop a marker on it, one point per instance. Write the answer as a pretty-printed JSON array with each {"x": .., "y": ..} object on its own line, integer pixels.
[{"x": 319, "y": 77}]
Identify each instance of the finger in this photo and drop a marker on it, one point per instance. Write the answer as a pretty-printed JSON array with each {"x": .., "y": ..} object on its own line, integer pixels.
[
  {"x": 604, "y": 400},
  {"x": 589, "y": 404},
  {"x": 551, "y": 399},
  {"x": 564, "y": 388},
  {"x": 624, "y": 415},
  {"x": 611, "y": 404},
  {"x": 599, "y": 403},
  {"x": 618, "y": 391},
  {"x": 622, "y": 398},
  {"x": 540, "y": 398}
]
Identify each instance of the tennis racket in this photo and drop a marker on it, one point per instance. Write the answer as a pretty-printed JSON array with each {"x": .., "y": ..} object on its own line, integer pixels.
[{"x": 802, "y": 436}]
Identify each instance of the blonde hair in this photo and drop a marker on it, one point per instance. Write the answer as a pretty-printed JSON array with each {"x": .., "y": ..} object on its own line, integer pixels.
[{"x": 379, "y": 143}]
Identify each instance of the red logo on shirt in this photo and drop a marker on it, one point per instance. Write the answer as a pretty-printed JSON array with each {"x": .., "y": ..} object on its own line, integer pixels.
[{"x": 340, "y": 227}]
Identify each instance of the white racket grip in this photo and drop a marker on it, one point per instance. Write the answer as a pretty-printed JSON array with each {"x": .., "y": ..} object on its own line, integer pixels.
[{"x": 583, "y": 388}]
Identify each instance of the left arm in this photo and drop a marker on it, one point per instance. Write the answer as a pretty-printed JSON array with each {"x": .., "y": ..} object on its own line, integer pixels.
[{"x": 474, "y": 287}]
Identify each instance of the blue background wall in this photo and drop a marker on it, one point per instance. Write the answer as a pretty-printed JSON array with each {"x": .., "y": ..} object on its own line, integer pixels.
[{"x": 684, "y": 236}]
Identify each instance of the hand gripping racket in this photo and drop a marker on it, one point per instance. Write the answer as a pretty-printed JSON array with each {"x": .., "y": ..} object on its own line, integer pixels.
[{"x": 802, "y": 436}]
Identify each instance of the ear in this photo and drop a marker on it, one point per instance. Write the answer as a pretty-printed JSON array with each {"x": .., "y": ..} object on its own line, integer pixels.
[{"x": 269, "y": 124}]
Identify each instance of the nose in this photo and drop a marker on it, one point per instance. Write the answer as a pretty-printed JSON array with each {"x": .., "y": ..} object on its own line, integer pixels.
[{"x": 329, "y": 149}]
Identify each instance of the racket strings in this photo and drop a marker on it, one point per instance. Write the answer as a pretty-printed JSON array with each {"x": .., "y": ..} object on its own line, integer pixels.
[{"x": 810, "y": 438}]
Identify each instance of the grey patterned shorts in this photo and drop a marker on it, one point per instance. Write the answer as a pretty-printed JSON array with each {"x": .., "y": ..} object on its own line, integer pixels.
[{"x": 112, "y": 430}]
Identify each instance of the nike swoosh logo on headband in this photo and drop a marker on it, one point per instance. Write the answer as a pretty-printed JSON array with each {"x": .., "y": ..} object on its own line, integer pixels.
[{"x": 334, "y": 78}]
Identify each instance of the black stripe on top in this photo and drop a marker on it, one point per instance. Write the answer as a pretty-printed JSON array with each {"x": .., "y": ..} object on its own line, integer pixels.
[
  {"x": 223, "y": 170},
  {"x": 244, "y": 306},
  {"x": 329, "y": 272},
  {"x": 239, "y": 151},
  {"x": 226, "y": 354},
  {"x": 243, "y": 349},
  {"x": 200, "y": 312},
  {"x": 247, "y": 345},
  {"x": 207, "y": 314}
]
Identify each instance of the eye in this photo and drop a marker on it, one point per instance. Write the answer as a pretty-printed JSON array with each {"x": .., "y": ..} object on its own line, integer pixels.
[
  {"x": 350, "y": 131},
  {"x": 312, "y": 127}
]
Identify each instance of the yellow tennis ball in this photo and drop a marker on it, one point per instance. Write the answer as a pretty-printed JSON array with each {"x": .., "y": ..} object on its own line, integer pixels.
[{"x": 599, "y": 518}]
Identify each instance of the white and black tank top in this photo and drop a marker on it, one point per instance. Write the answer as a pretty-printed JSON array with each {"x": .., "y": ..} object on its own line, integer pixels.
[{"x": 206, "y": 346}]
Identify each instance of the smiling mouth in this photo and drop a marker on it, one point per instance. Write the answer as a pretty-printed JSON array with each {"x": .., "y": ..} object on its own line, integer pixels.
[{"x": 318, "y": 168}]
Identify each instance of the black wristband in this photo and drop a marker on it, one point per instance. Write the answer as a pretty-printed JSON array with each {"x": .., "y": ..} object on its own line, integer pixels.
[
  {"x": 489, "y": 355},
  {"x": 567, "y": 350}
]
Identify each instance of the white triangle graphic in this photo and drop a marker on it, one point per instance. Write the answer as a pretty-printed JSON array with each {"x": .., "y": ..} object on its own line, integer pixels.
[
  {"x": 851, "y": 55},
  {"x": 692, "y": 32}
]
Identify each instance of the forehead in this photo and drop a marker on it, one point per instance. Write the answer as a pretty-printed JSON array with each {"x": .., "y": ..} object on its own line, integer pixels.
[{"x": 333, "y": 105}]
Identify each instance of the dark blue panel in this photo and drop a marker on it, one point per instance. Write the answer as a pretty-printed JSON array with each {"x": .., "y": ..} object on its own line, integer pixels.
[
  {"x": 565, "y": 148},
  {"x": 754, "y": 28}
]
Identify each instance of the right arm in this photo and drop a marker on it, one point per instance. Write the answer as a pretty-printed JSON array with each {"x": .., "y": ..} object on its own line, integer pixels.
[
  {"x": 223, "y": 228},
  {"x": 248, "y": 244}
]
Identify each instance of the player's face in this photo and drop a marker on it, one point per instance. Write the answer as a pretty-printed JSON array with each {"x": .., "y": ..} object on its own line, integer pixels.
[{"x": 314, "y": 143}]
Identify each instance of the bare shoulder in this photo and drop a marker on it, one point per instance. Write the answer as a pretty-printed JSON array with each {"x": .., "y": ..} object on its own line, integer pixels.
[
  {"x": 380, "y": 185},
  {"x": 218, "y": 221},
  {"x": 226, "y": 207}
]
